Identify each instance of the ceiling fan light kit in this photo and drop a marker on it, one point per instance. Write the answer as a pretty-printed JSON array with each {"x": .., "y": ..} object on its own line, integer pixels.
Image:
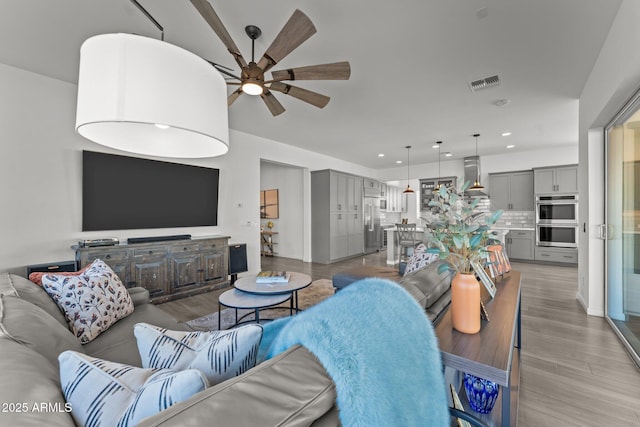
[
  {"x": 252, "y": 79},
  {"x": 147, "y": 96},
  {"x": 252, "y": 88}
]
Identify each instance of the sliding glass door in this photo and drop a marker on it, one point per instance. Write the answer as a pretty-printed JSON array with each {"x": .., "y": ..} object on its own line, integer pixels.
[{"x": 623, "y": 225}]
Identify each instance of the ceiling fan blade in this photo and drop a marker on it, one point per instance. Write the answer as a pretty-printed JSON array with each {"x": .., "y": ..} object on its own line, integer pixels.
[
  {"x": 272, "y": 103},
  {"x": 234, "y": 95},
  {"x": 210, "y": 15},
  {"x": 335, "y": 71},
  {"x": 297, "y": 29},
  {"x": 223, "y": 70},
  {"x": 305, "y": 95}
]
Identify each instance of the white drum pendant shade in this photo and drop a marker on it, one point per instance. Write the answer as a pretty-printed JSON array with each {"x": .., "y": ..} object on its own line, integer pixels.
[{"x": 150, "y": 97}]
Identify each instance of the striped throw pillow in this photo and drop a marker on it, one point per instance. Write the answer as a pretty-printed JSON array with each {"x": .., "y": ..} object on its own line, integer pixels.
[
  {"x": 102, "y": 393},
  {"x": 219, "y": 355}
]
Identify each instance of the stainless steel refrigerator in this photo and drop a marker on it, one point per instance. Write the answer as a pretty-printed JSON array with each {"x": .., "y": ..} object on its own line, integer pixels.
[{"x": 372, "y": 242}]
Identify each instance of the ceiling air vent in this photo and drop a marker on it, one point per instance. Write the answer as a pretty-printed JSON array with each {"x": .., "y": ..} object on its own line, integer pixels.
[{"x": 485, "y": 83}]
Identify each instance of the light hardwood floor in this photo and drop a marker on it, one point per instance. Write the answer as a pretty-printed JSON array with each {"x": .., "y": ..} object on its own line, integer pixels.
[{"x": 574, "y": 371}]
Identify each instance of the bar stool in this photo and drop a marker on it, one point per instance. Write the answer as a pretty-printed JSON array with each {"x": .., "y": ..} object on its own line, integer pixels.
[{"x": 406, "y": 239}]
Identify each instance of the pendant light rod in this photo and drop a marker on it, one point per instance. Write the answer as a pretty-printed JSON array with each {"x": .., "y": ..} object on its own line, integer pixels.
[
  {"x": 151, "y": 18},
  {"x": 476, "y": 185},
  {"x": 408, "y": 189},
  {"x": 437, "y": 187}
]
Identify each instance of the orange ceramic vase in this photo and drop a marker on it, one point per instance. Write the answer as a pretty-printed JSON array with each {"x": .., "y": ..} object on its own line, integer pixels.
[{"x": 465, "y": 303}]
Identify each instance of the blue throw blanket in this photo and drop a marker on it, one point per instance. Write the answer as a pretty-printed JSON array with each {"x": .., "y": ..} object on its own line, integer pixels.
[{"x": 378, "y": 347}]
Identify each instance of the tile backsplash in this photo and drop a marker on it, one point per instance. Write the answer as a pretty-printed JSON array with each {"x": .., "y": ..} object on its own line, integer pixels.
[
  {"x": 517, "y": 219},
  {"x": 514, "y": 219}
]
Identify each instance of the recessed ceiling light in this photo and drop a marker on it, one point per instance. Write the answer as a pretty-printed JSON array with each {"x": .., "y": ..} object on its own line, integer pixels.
[
  {"x": 435, "y": 146},
  {"x": 381, "y": 155},
  {"x": 501, "y": 102},
  {"x": 506, "y": 133},
  {"x": 448, "y": 154},
  {"x": 510, "y": 146},
  {"x": 398, "y": 161}
]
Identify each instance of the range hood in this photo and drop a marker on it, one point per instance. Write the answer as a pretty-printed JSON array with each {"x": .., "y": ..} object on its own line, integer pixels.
[{"x": 471, "y": 167}]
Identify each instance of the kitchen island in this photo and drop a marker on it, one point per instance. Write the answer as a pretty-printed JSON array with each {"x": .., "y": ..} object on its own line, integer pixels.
[{"x": 392, "y": 243}]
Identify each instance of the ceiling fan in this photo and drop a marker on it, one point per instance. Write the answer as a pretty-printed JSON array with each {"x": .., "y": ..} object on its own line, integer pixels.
[{"x": 252, "y": 78}]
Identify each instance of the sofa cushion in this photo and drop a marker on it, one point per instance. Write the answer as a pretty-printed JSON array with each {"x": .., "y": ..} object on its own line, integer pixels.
[
  {"x": 429, "y": 281},
  {"x": 108, "y": 393},
  {"x": 292, "y": 389},
  {"x": 12, "y": 284},
  {"x": 92, "y": 302},
  {"x": 220, "y": 355},
  {"x": 347, "y": 277},
  {"x": 119, "y": 343},
  {"x": 419, "y": 259},
  {"x": 32, "y": 327},
  {"x": 30, "y": 381}
]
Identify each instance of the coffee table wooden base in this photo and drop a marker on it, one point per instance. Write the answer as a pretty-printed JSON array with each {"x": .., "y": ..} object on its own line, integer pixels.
[{"x": 237, "y": 299}]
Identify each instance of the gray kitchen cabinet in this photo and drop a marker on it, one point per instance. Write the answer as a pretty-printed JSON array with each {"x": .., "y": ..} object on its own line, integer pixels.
[
  {"x": 558, "y": 179},
  {"x": 520, "y": 244},
  {"x": 512, "y": 191},
  {"x": 371, "y": 186},
  {"x": 339, "y": 191},
  {"x": 354, "y": 193},
  {"x": 339, "y": 236},
  {"x": 355, "y": 233},
  {"x": 560, "y": 255},
  {"x": 167, "y": 269},
  {"x": 337, "y": 227}
]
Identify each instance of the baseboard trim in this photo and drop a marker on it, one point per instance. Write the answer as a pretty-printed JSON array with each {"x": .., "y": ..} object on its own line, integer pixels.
[{"x": 589, "y": 311}]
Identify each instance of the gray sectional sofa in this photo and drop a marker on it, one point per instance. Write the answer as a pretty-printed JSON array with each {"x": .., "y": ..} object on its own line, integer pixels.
[
  {"x": 291, "y": 389},
  {"x": 431, "y": 288}
]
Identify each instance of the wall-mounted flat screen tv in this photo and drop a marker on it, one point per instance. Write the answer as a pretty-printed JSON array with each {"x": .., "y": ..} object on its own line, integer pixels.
[{"x": 124, "y": 193}]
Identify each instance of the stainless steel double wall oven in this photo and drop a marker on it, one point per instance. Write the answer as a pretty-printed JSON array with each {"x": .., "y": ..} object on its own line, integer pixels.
[{"x": 557, "y": 221}]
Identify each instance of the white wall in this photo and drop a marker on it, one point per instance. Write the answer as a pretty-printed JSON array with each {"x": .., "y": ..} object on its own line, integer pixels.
[
  {"x": 41, "y": 167},
  {"x": 614, "y": 78},
  {"x": 288, "y": 180}
]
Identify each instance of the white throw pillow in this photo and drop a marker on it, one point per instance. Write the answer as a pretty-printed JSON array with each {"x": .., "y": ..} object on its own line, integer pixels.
[
  {"x": 92, "y": 301},
  {"x": 109, "y": 394},
  {"x": 420, "y": 259},
  {"x": 219, "y": 355}
]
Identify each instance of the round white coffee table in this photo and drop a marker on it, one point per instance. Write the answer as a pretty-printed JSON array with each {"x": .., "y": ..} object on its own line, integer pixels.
[
  {"x": 296, "y": 282},
  {"x": 234, "y": 298}
]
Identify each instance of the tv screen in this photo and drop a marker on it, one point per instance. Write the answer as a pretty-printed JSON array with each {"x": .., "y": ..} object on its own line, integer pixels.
[{"x": 124, "y": 193}]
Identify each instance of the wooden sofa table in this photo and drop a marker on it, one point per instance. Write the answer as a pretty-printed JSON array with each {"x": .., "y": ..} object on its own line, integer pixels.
[{"x": 493, "y": 353}]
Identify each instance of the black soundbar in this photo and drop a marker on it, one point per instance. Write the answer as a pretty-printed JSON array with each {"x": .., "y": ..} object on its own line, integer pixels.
[{"x": 158, "y": 238}]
